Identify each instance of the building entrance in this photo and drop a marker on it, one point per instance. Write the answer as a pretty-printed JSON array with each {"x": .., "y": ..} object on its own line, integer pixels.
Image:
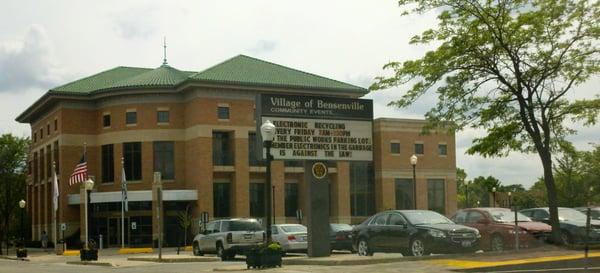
[{"x": 113, "y": 231}]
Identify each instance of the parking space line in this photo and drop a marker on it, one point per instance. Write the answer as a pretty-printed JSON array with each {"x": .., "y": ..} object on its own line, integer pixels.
[{"x": 467, "y": 264}]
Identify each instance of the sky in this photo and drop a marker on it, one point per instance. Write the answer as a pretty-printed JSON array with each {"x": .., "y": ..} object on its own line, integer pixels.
[{"x": 44, "y": 44}]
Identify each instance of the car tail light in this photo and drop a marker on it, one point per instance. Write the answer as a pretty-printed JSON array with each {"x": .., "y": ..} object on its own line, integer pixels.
[
  {"x": 229, "y": 238},
  {"x": 291, "y": 238},
  {"x": 340, "y": 237}
]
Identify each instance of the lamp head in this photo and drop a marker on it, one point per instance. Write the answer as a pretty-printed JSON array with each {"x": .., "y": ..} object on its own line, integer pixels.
[
  {"x": 88, "y": 184},
  {"x": 22, "y": 204},
  {"x": 267, "y": 131},
  {"x": 413, "y": 160},
  {"x": 494, "y": 189},
  {"x": 509, "y": 194}
]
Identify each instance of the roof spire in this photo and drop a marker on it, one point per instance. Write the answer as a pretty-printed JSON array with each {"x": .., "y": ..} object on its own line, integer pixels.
[{"x": 164, "y": 51}]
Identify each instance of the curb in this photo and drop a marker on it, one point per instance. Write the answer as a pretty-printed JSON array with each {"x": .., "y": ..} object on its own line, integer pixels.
[
  {"x": 14, "y": 258},
  {"x": 173, "y": 260},
  {"x": 135, "y": 250},
  {"x": 90, "y": 263}
]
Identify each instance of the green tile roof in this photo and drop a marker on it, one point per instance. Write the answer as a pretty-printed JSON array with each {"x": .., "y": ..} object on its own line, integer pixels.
[
  {"x": 102, "y": 80},
  {"x": 164, "y": 76},
  {"x": 244, "y": 70},
  {"x": 239, "y": 70}
]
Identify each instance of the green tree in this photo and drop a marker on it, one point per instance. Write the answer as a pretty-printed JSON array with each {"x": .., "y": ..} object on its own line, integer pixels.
[
  {"x": 506, "y": 66},
  {"x": 13, "y": 158}
]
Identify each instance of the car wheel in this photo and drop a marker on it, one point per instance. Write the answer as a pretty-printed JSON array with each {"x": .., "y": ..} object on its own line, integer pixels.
[
  {"x": 417, "y": 247},
  {"x": 363, "y": 248},
  {"x": 496, "y": 243},
  {"x": 566, "y": 238},
  {"x": 196, "y": 250},
  {"x": 221, "y": 252}
]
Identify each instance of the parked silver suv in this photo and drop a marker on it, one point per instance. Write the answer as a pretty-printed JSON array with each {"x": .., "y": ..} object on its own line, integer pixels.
[{"x": 228, "y": 237}]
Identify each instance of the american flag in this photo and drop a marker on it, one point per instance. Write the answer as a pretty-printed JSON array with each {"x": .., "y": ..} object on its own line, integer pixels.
[{"x": 80, "y": 173}]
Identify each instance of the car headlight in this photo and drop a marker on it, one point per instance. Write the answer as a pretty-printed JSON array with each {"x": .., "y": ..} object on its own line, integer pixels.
[
  {"x": 521, "y": 231},
  {"x": 437, "y": 233}
]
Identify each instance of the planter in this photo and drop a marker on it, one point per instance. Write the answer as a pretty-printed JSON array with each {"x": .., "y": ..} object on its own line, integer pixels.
[
  {"x": 263, "y": 258},
  {"x": 21, "y": 253},
  {"x": 88, "y": 254}
]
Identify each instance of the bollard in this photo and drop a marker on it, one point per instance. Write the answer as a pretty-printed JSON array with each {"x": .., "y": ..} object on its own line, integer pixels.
[{"x": 100, "y": 241}]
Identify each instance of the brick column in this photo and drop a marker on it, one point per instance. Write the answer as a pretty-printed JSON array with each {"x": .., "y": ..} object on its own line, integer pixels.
[
  {"x": 278, "y": 180},
  {"x": 421, "y": 192},
  {"x": 340, "y": 194},
  {"x": 451, "y": 202},
  {"x": 199, "y": 173},
  {"x": 240, "y": 187}
]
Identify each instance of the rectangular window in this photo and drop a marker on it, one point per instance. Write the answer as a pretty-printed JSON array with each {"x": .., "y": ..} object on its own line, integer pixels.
[
  {"x": 252, "y": 150},
  {"x": 223, "y": 112},
  {"x": 35, "y": 168},
  {"x": 443, "y": 149},
  {"x": 132, "y": 152},
  {"x": 164, "y": 159},
  {"x": 362, "y": 189},
  {"x": 41, "y": 166},
  {"x": 222, "y": 153},
  {"x": 162, "y": 116},
  {"x": 257, "y": 199},
  {"x": 131, "y": 118},
  {"x": 291, "y": 199},
  {"x": 56, "y": 157},
  {"x": 404, "y": 193},
  {"x": 48, "y": 161},
  {"x": 419, "y": 149},
  {"x": 34, "y": 137},
  {"x": 436, "y": 197},
  {"x": 48, "y": 129},
  {"x": 41, "y": 133},
  {"x": 56, "y": 125},
  {"x": 221, "y": 200},
  {"x": 395, "y": 148},
  {"x": 108, "y": 163},
  {"x": 106, "y": 120}
]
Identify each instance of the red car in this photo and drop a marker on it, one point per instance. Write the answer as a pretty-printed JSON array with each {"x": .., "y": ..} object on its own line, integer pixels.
[{"x": 497, "y": 227}]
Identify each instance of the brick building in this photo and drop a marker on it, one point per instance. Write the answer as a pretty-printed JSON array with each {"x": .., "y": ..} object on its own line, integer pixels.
[{"x": 198, "y": 130}]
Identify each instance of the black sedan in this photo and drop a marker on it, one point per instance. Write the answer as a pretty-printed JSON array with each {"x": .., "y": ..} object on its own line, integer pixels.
[
  {"x": 413, "y": 232},
  {"x": 340, "y": 236}
]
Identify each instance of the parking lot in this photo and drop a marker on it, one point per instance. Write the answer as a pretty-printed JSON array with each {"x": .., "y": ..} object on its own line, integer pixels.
[{"x": 544, "y": 259}]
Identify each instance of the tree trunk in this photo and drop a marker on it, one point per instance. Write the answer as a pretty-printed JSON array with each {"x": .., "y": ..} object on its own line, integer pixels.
[{"x": 546, "y": 158}]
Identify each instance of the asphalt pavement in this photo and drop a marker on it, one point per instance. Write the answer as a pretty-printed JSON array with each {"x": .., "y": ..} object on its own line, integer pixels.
[{"x": 563, "y": 266}]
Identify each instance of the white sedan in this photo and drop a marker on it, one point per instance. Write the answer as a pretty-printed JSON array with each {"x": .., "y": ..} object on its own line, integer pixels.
[{"x": 291, "y": 237}]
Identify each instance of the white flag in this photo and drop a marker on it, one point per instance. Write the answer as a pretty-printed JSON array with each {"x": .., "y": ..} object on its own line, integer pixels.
[
  {"x": 124, "y": 189},
  {"x": 55, "y": 192}
]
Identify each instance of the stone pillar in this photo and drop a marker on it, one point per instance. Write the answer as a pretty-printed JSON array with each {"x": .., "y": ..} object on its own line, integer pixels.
[
  {"x": 317, "y": 212},
  {"x": 82, "y": 203},
  {"x": 450, "y": 196},
  {"x": 156, "y": 187},
  {"x": 240, "y": 187}
]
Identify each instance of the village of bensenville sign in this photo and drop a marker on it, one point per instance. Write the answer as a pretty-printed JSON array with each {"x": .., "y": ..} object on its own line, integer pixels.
[{"x": 317, "y": 128}]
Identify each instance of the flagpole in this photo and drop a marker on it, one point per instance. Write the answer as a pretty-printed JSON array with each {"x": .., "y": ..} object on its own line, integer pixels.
[
  {"x": 54, "y": 195},
  {"x": 122, "y": 205}
]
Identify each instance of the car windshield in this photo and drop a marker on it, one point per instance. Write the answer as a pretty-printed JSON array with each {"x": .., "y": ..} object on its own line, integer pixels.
[
  {"x": 424, "y": 217},
  {"x": 294, "y": 228},
  {"x": 507, "y": 216},
  {"x": 340, "y": 227},
  {"x": 566, "y": 214},
  {"x": 244, "y": 226}
]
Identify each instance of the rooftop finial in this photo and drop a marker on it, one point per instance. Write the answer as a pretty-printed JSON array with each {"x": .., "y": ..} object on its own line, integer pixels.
[{"x": 165, "y": 51}]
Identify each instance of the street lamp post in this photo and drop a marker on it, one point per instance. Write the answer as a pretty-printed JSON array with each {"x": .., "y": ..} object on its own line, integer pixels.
[
  {"x": 494, "y": 197},
  {"x": 267, "y": 131},
  {"x": 88, "y": 185},
  {"x": 413, "y": 162},
  {"x": 22, "y": 205},
  {"x": 509, "y": 200}
]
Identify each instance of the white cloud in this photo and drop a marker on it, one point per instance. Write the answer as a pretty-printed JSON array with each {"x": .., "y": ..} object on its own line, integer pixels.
[{"x": 28, "y": 63}]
